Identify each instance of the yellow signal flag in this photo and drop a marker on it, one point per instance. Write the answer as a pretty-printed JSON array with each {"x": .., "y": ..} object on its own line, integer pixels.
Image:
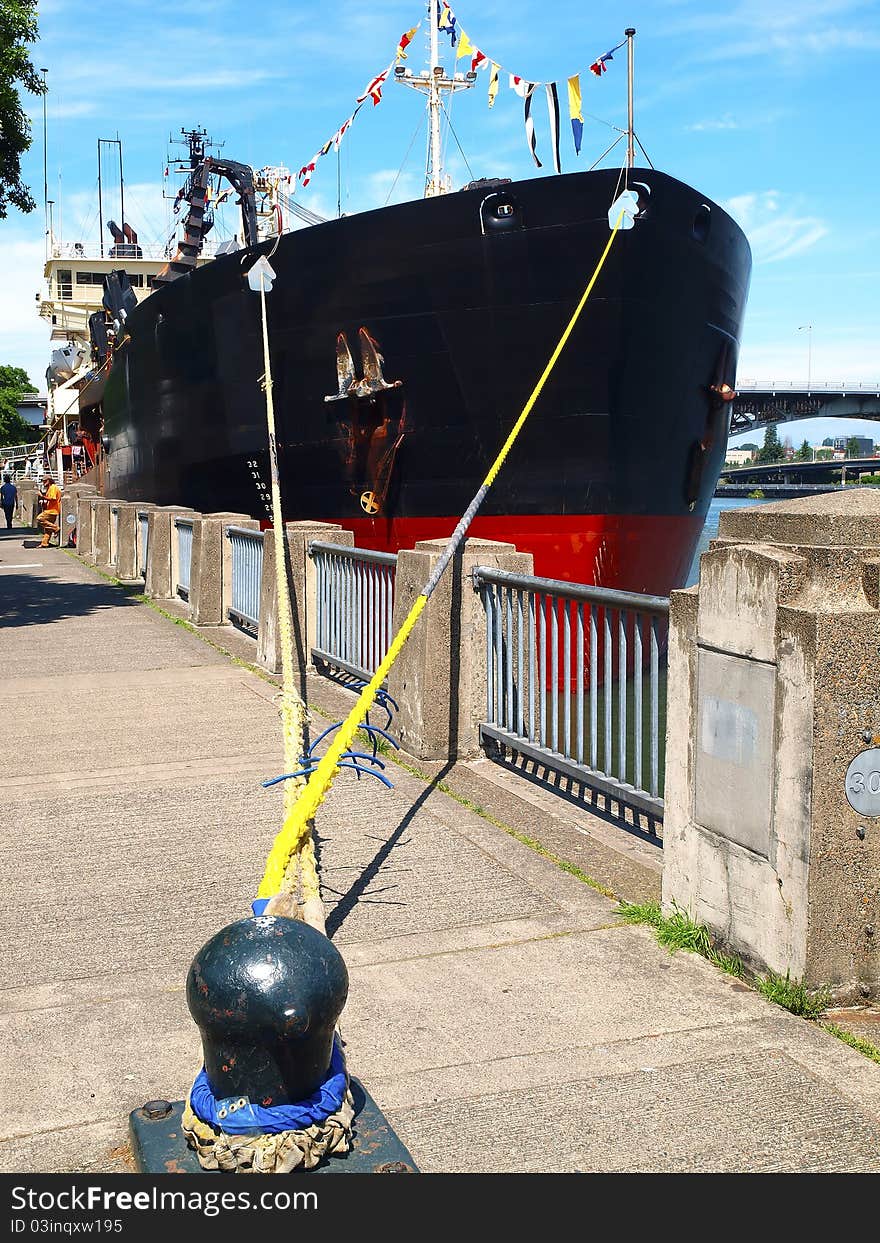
[
  {"x": 493, "y": 84},
  {"x": 405, "y": 40},
  {"x": 465, "y": 47}
]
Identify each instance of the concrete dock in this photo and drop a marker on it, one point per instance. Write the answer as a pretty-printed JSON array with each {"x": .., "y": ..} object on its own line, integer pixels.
[{"x": 499, "y": 1012}]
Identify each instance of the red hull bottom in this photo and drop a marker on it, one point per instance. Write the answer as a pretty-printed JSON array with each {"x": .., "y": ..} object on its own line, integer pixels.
[{"x": 626, "y": 552}]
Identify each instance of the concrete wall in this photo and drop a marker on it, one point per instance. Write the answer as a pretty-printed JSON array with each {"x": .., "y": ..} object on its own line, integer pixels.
[
  {"x": 210, "y": 553},
  {"x": 774, "y": 688},
  {"x": 126, "y": 563},
  {"x": 439, "y": 679},
  {"x": 162, "y": 539},
  {"x": 298, "y": 536}
]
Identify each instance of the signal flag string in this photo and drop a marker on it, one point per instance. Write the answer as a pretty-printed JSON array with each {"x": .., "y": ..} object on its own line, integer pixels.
[{"x": 294, "y": 838}]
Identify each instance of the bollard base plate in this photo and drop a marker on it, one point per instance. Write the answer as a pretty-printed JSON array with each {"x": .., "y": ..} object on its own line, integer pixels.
[{"x": 160, "y": 1148}]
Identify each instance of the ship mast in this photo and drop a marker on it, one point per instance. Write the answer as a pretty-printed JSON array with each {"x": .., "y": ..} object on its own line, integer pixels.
[
  {"x": 433, "y": 82},
  {"x": 630, "y": 131},
  {"x": 434, "y": 176}
]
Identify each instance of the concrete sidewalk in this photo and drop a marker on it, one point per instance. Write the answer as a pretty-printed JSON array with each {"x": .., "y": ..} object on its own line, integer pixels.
[{"x": 498, "y": 1012}]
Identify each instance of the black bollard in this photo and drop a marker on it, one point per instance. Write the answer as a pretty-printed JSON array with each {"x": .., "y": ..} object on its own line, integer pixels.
[{"x": 265, "y": 993}]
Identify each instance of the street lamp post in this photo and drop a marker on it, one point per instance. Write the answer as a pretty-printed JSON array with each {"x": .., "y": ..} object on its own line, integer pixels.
[
  {"x": 45, "y": 161},
  {"x": 808, "y": 329}
]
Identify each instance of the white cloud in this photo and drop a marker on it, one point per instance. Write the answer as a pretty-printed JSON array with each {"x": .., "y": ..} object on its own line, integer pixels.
[
  {"x": 854, "y": 360},
  {"x": 24, "y": 337},
  {"x": 712, "y": 126},
  {"x": 774, "y": 225}
]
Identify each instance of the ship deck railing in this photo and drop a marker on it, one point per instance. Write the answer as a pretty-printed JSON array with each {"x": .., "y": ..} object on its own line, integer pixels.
[
  {"x": 246, "y": 576},
  {"x": 575, "y": 682},
  {"x": 355, "y": 608},
  {"x": 76, "y": 252}
]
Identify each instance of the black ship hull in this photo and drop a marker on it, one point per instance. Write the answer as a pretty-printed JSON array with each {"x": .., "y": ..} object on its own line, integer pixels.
[{"x": 466, "y": 296}]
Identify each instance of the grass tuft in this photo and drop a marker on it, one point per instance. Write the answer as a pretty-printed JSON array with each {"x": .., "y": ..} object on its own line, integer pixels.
[
  {"x": 793, "y": 995},
  {"x": 855, "y": 1042},
  {"x": 679, "y": 932}
]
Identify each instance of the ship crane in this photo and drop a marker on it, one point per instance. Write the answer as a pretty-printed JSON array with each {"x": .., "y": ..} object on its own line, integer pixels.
[{"x": 199, "y": 219}]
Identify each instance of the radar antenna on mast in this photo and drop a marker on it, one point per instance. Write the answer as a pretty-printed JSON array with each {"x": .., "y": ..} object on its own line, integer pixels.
[{"x": 433, "y": 82}]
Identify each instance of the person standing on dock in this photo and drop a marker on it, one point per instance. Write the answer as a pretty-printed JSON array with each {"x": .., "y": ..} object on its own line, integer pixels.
[
  {"x": 49, "y": 519},
  {"x": 8, "y": 499}
]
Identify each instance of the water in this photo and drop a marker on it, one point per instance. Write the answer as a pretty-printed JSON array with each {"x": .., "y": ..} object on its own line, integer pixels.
[{"x": 710, "y": 530}]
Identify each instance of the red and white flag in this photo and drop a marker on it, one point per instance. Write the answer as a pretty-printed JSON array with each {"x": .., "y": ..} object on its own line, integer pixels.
[{"x": 373, "y": 89}]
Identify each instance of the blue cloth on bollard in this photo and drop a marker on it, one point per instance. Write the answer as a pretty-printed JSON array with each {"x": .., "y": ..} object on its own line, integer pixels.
[
  {"x": 238, "y": 1116},
  {"x": 258, "y": 906}
]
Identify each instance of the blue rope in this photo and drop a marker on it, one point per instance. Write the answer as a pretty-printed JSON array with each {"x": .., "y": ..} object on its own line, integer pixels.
[
  {"x": 236, "y": 1115},
  {"x": 310, "y": 761}
]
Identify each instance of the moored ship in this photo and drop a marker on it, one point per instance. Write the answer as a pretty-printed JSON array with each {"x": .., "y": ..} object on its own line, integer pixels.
[{"x": 404, "y": 341}]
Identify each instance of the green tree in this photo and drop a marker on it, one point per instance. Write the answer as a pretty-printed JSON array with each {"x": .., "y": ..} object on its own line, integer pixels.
[
  {"x": 804, "y": 453},
  {"x": 14, "y": 383},
  {"x": 18, "y": 28},
  {"x": 771, "y": 450},
  {"x": 852, "y": 447}
]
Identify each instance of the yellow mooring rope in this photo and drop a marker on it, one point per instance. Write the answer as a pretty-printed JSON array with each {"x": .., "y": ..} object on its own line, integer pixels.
[
  {"x": 295, "y": 835},
  {"x": 300, "y": 865}
]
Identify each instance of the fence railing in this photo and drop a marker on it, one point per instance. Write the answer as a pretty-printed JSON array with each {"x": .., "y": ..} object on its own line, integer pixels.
[
  {"x": 143, "y": 538},
  {"x": 184, "y": 529},
  {"x": 246, "y": 547},
  {"x": 113, "y": 553},
  {"x": 355, "y": 606},
  {"x": 574, "y": 681}
]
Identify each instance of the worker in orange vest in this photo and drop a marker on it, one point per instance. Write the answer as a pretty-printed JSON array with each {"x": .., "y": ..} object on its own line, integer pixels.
[{"x": 49, "y": 519}]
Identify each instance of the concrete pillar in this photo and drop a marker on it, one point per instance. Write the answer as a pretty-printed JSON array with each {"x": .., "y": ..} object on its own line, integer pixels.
[
  {"x": 127, "y": 529},
  {"x": 209, "y": 552},
  {"x": 26, "y": 489},
  {"x": 302, "y": 577},
  {"x": 84, "y": 530},
  {"x": 772, "y": 801},
  {"x": 439, "y": 679},
  {"x": 100, "y": 554},
  {"x": 161, "y": 535},
  {"x": 69, "y": 500}
]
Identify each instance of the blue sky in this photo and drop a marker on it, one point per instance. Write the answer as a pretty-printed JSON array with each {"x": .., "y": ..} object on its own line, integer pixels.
[{"x": 769, "y": 109}]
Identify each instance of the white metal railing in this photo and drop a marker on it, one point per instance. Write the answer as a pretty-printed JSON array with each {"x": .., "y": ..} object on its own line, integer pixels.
[
  {"x": 76, "y": 252},
  {"x": 143, "y": 539},
  {"x": 573, "y": 681},
  {"x": 247, "y": 576},
  {"x": 841, "y": 387},
  {"x": 355, "y": 598},
  {"x": 184, "y": 528},
  {"x": 113, "y": 554}
]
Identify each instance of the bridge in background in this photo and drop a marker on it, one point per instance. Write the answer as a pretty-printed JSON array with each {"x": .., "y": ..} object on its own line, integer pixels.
[
  {"x": 761, "y": 402},
  {"x": 806, "y": 474}
]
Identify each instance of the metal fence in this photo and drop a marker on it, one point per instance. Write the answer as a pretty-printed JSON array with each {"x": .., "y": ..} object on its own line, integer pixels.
[
  {"x": 143, "y": 538},
  {"x": 246, "y": 546},
  {"x": 184, "y": 528},
  {"x": 575, "y": 681},
  {"x": 355, "y": 605},
  {"x": 113, "y": 554}
]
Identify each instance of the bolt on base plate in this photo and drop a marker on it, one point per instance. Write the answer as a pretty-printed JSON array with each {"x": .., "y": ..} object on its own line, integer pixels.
[{"x": 160, "y": 1147}]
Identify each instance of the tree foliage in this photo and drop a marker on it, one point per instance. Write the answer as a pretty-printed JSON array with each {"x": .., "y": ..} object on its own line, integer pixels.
[
  {"x": 18, "y": 29},
  {"x": 804, "y": 453},
  {"x": 852, "y": 446},
  {"x": 771, "y": 450},
  {"x": 14, "y": 383}
]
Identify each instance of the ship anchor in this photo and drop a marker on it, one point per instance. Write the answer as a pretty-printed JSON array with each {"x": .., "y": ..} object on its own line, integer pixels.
[{"x": 373, "y": 380}]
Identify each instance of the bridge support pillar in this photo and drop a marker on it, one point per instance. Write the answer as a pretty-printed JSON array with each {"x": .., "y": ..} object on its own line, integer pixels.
[{"x": 772, "y": 818}]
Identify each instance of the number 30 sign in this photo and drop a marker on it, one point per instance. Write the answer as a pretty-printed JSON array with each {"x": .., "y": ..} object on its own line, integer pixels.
[{"x": 863, "y": 783}]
